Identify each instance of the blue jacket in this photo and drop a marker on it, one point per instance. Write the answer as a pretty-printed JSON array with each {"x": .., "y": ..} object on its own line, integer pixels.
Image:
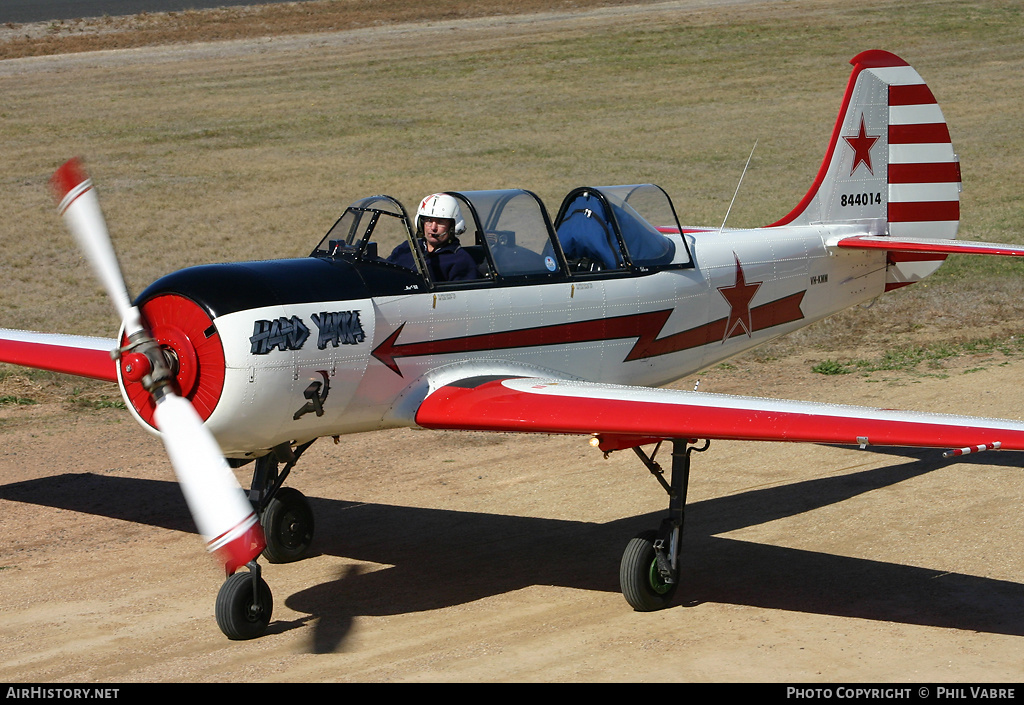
[{"x": 446, "y": 263}]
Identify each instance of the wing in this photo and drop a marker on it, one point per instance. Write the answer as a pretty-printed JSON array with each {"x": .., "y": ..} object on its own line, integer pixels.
[
  {"x": 927, "y": 246},
  {"x": 623, "y": 417},
  {"x": 70, "y": 354}
]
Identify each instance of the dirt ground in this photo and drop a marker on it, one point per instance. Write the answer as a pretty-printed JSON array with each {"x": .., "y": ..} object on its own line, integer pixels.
[
  {"x": 479, "y": 557},
  {"x": 474, "y": 557}
]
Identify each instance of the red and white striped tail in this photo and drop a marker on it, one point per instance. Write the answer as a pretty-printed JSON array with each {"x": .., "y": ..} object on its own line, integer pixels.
[
  {"x": 924, "y": 175},
  {"x": 890, "y": 169}
]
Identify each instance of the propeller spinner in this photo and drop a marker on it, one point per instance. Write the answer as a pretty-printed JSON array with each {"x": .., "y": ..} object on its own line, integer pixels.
[{"x": 223, "y": 515}]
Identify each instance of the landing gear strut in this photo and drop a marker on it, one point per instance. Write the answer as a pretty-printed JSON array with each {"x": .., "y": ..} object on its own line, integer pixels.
[
  {"x": 649, "y": 570},
  {"x": 284, "y": 512},
  {"x": 245, "y": 603}
]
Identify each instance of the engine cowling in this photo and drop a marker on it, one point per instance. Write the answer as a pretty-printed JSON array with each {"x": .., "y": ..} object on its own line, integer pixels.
[{"x": 192, "y": 346}]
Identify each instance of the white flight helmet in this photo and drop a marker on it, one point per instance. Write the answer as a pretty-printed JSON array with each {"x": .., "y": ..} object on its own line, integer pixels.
[{"x": 441, "y": 205}]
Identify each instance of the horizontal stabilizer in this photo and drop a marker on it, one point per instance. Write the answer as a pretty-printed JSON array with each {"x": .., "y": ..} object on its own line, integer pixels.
[
  {"x": 70, "y": 354},
  {"x": 926, "y": 246}
]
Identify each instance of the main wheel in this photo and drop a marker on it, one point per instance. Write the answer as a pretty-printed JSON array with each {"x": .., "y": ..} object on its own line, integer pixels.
[
  {"x": 642, "y": 584},
  {"x": 238, "y": 615},
  {"x": 288, "y": 526}
]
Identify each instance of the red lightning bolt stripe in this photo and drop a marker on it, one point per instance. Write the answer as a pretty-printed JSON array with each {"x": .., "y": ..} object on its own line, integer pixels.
[
  {"x": 774, "y": 313},
  {"x": 645, "y": 327},
  {"x": 642, "y": 325}
]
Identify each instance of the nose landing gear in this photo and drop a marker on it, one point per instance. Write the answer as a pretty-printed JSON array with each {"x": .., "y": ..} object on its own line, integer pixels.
[{"x": 245, "y": 604}]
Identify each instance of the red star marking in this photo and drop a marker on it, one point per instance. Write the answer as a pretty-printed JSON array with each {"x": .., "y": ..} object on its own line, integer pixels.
[
  {"x": 861, "y": 145},
  {"x": 739, "y": 296}
]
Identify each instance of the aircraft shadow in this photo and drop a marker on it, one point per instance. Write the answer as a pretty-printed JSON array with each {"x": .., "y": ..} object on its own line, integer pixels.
[{"x": 426, "y": 559}]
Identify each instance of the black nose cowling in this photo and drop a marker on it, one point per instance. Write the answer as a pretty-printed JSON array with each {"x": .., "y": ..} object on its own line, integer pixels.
[{"x": 182, "y": 308}]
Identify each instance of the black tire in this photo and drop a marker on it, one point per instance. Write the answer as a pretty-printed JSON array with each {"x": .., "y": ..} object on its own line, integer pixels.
[
  {"x": 641, "y": 583},
  {"x": 237, "y": 615},
  {"x": 288, "y": 526}
]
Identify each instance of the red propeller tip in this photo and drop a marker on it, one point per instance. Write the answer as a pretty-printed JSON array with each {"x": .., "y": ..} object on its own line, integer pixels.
[
  {"x": 237, "y": 549},
  {"x": 69, "y": 179}
]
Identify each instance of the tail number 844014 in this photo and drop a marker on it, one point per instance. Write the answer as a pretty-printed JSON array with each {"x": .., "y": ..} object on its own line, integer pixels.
[{"x": 861, "y": 199}]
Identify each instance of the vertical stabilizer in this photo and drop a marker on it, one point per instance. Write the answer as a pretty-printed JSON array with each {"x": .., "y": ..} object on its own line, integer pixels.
[{"x": 890, "y": 167}]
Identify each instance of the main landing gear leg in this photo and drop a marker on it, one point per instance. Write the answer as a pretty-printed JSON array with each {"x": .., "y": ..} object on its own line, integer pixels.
[
  {"x": 245, "y": 603},
  {"x": 649, "y": 570},
  {"x": 285, "y": 515}
]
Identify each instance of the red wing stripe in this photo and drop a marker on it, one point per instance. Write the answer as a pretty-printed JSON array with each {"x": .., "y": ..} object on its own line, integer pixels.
[
  {"x": 546, "y": 406},
  {"x": 934, "y": 173},
  {"x": 916, "y": 94},
  {"x": 67, "y": 359},
  {"x": 920, "y": 211},
  {"x": 928, "y": 133}
]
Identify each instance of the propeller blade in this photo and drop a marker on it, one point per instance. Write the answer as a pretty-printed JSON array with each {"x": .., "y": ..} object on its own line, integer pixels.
[
  {"x": 220, "y": 509},
  {"x": 222, "y": 514},
  {"x": 80, "y": 208}
]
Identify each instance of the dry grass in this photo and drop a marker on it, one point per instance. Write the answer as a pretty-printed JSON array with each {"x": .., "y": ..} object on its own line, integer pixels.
[{"x": 242, "y": 151}]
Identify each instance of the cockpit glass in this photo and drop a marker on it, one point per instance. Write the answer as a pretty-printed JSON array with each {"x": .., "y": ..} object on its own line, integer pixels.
[
  {"x": 508, "y": 235},
  {"x": 639, "y": 209},
  {"x": 515, "y": 229},
  {"x": 371, "y": 227},
  {"x": 600, "y": 227}
]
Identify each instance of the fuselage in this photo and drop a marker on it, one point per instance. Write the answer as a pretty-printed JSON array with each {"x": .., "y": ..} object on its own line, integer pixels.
[
  {"x": 613, "y": 290},
  {"x": 369, "y": 340}
]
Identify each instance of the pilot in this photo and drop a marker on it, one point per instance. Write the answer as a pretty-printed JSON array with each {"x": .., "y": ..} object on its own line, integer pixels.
[{"x": 438, "y": 224}]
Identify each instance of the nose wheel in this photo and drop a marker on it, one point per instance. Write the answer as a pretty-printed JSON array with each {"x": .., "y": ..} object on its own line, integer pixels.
[{"x": 244, "y": 605}]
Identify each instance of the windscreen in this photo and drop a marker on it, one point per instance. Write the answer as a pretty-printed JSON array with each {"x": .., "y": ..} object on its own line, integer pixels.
[{"x": 372, "y": 227}]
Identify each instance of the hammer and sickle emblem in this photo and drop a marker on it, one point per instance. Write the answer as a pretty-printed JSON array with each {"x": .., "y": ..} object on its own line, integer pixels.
[{"x": 316, "y": 394}]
